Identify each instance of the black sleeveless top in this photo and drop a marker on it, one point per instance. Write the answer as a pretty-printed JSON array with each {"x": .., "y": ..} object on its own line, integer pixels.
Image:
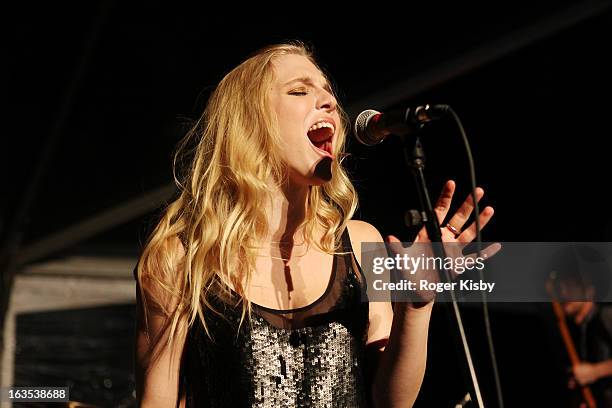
[{"x": 313, "y": 356}]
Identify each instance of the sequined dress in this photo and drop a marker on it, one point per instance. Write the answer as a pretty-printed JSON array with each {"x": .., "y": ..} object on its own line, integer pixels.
[{"x": 313, "y": 356}]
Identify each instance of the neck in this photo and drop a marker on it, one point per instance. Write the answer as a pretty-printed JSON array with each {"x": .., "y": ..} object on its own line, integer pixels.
[{"x": 286, "y": 211}]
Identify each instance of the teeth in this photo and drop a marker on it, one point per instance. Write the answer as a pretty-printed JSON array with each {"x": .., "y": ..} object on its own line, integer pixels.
[{"x": 320, "y": 125}]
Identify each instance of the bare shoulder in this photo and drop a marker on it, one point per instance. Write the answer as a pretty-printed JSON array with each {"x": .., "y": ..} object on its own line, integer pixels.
[
  {"x": 361, "y": 231},
  {"x": 364, "y": 231},
  {"x": 380, "y": 313}
]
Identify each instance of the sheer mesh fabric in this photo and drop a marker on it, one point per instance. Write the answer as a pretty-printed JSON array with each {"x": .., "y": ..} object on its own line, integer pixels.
[
  {"x": 311, "y": 356},
  {"x": 315, "y": 313}
]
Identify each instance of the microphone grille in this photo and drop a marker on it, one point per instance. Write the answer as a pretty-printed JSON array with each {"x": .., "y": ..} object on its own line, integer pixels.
[{"x": 361, "y": 127}]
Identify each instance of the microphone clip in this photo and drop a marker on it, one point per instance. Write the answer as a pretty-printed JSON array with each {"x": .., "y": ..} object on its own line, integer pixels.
[{"x": 427, "y": 113}]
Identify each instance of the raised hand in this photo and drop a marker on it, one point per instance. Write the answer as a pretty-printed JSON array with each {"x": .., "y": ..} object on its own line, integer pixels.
[{"x": 454, "y": 231}]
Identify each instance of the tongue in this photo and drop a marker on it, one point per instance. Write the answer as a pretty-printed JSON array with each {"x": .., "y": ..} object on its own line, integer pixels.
[
  {"x": 320, "y": 145},
  {"x": 325, "y": 146},
  {"x": 320, "y": 135},
  {"x": 321, "y": 139}
]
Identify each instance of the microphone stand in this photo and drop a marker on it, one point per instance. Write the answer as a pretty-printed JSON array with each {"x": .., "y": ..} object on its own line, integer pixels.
[{"x": 414, "y": 155}]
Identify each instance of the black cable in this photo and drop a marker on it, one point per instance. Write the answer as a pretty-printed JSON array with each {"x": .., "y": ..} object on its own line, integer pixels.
[{"x": 485, "y": 307}]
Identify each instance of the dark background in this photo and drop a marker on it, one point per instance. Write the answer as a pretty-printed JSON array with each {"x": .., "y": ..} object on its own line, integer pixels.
[{"x": 110, "y": 88}]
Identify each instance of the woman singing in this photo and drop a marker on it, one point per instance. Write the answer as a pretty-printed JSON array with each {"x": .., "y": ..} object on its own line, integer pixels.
[{"x": 249, "y": 287}]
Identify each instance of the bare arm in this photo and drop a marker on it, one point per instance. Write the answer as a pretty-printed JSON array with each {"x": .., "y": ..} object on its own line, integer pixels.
[
  {"x": 587, "y": 373},
  {"x": 400, "y": 365},
  {"x": 604, "y": 369},
  {"x": 157, "y": 362},
  {"x": 397, "y": 341}
]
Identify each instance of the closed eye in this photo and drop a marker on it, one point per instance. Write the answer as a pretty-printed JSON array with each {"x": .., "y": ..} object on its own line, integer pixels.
[{"x": 298, "y": 92}]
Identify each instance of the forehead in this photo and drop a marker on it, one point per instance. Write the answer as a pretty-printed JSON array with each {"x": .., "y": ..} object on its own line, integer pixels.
[{"x": 289, "y": 67}]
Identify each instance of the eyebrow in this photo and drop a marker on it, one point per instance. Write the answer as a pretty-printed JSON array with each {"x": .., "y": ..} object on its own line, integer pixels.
[{"x": 309, "y": 81}]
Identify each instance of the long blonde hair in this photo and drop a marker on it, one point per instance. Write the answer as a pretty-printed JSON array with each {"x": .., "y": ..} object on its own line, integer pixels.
[{"x": 218, "y": 214}]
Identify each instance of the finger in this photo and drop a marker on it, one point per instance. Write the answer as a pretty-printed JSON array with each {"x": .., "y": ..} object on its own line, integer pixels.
[
  {"x": 469, "y": 234},
  {"x": 584, "y": 311},
  {"x": 444, "y": 201},
  {"x": 463, "y": 213},
  {"x": 394, "y": 245},
  {"x": 487, "y": 252},
  {"x": 572, "y": 307}
]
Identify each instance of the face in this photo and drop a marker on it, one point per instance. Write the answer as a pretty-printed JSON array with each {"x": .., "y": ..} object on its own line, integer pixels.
[{"x": 307, "y": 118}]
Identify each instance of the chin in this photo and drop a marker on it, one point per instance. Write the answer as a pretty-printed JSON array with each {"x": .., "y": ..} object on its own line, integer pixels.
[{"x": 320, "y": 173}]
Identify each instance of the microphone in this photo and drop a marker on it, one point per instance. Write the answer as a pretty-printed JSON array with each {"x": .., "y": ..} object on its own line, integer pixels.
[{"x": 372, "y": 127}]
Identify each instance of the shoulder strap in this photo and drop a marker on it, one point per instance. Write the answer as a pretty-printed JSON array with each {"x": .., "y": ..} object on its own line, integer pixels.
[
  {"x": 346, "y": 241},
  {"x": 350, "y": 259}
]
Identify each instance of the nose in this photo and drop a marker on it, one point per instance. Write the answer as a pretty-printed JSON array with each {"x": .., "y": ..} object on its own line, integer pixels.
[{"x": 326, "y": 101}]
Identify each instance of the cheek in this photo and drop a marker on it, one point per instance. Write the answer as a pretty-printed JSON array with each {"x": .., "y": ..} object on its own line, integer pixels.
[{"x": 291, "y": 123}]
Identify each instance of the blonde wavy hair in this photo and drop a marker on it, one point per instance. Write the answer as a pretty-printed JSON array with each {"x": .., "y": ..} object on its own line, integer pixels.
[{"x": 207, "y": 238}]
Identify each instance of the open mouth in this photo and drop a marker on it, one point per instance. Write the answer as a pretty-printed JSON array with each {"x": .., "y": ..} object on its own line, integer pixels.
[{"x": 320, "y": 135}]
